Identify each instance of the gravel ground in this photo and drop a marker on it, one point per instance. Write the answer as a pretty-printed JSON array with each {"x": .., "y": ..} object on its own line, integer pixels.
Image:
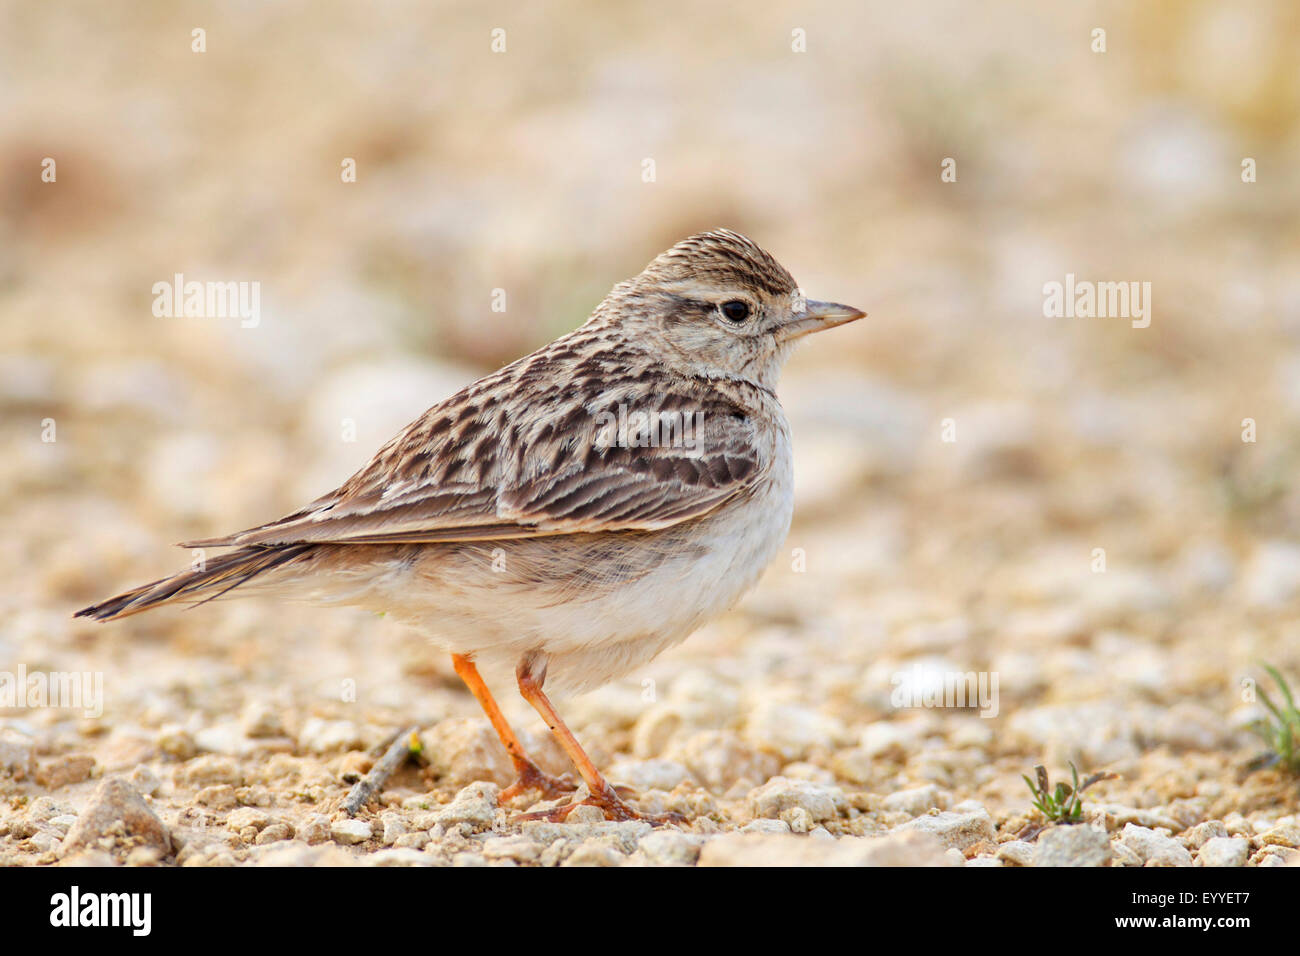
[
  {"x": 1101, "y": 518},
  {"x": 778, "y": 731}
]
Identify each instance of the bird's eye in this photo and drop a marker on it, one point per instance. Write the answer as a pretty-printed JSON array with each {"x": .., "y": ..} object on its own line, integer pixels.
[{"x": 735, "y": 310}]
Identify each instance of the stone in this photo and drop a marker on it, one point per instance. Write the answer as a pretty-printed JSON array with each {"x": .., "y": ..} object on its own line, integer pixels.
[
  {"x": 780, "y": 794},
  {"x": 474, "y": 806},
  {"x": 954, "y": 830},
  {"x": 1224, "y": 851},
  {"x": 917, "y": 800},
  {"x": 718, "y": 758},
  {"x": 238, "y": 820},
  {"x": 315, "y": 829},
  {"x": 1154, "y": 848},
  {"x": 145, "y": 780},
  {"x": 792, "y": 731},
  {"x": 518, "y": 848},
  {"x": 668, "y": 848},
  {"x": 595, "y": 853},
  {"x": 321, "y": 736},
  {"x": 766, "y": 826},
  {"x": 219, "y": 797},
  {"x": 1287, "y": 834},
  {"x": 210, "y": 770},
  {"x": 63, "y": 771},
  {"x": 17, "y": 754},
  {"x": 394, "y": 827},
  {"x": 1017, "y": 852},
  {"x": 274, "y": 833},
  {"x": 260, "y": 719},
  {"x": 117, "y": 817},
  {"x": 1072, "y": 845},
  {"x": 415, "y": 840},
  {"x": 649, "y": 774},
  {"x": 464, "y": 750},
  {"x": 227, "y": 738},
  {"x": 1202, "y": 833},
  {"x": 176, "y": 742},
  {"x": 350, "y": 832}
]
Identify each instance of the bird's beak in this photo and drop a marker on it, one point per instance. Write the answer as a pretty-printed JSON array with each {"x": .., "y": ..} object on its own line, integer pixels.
[{"x": 816, "y": 317}]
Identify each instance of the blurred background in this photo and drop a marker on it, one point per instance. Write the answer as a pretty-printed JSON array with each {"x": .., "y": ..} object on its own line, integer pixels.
[{"x": 526, "y": 170}]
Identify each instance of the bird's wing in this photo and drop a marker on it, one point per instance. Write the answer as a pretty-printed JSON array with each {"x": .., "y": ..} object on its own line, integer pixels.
[{"x": 464, "y": 472}]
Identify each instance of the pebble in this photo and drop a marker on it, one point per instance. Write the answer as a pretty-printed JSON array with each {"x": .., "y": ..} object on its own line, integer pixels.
[
  {"x": 953, "y": 830},
  {"x": 1072, "y": 845},
  {"x": 1224, "y": 851},
  {"x": 219, "y": 797},
  {"x": 720, "y": 758},
  {"x": 781, "y": 794},
  {"x": 350, "y": 832},
  {"x": 1019, "y": 852},
  {"x": 315, "y": 829},
  {"x": 274, "y": 833},
  {"x": 519, "y": 849},
  {"x": 1287, "y": 835},
  {"x": 210, "y": 770},
  {"x": 64, "y": 771},
  {"x": 1202, "y": 833},
  {"x": 394, "y": 827},
  {"x": 260, "y": 719},
  {"x": 321, "y": 736},
  {"x": 792, "y": 731},
  {"x": 115, "y": 815},
  {"x": 463, "y": 750},
  {"x": 145, "y": 780},
  {"x": 597, "y": 853},
  {"x": 766, "y": 826},
  {"x": 1153, "y": 848},
  {"x": 474, "y": 806},
  {"x": 176, "y": 742},
  {"x": 624, "y": 834},
  {"x": 649, "y": 774},
  {"x": 668, "y": 848},
  {"x": 227, "y": 738},
  {"x": 17, "y": 754},
  {"x": 917, "y": 800},
  {"x": 244, "y": 817}
]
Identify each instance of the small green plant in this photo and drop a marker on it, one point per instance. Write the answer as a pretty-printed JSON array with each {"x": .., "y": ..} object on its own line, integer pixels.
[
  {"x": 1064, "y": 804},
  {"x": 1280, "y": 728}
]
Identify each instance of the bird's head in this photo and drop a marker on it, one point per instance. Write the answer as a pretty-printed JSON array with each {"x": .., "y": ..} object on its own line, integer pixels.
[{"x": 717, "y": 303}]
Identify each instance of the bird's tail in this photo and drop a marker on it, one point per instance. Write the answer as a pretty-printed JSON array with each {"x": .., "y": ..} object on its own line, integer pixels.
[{"x": 214, "y": 579}]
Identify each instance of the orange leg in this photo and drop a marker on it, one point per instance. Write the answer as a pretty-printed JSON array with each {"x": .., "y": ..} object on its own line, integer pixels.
[
  {"x": 531, "y": 776},
  {"x": 601, "y": 794}
]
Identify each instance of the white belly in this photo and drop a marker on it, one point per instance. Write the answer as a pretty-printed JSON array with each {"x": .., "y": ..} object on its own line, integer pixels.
[{"x": 594, "y": 611}]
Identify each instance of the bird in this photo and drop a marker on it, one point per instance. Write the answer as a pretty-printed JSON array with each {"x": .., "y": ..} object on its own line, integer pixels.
[{"x": 571, "y": 515}]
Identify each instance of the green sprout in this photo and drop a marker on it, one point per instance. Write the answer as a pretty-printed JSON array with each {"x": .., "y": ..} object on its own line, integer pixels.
[
  {"x": 1280, "y": 728},
  {"x": 1064, "y": 804}
]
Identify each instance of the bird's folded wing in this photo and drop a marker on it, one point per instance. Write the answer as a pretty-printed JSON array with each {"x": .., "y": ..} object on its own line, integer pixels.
[{"x": 568, "y": 486}]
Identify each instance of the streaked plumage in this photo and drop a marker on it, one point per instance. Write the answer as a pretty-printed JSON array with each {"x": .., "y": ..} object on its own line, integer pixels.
[{"x": 510, "y": 524}]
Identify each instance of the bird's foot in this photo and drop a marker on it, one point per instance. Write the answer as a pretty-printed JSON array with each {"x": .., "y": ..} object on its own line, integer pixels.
[
  {"x": 532, "y": 778},
  {"x": 609, "y": 801}
]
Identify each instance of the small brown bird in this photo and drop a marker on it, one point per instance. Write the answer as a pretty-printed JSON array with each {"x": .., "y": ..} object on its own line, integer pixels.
[{"x": 573, "y": 514}]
